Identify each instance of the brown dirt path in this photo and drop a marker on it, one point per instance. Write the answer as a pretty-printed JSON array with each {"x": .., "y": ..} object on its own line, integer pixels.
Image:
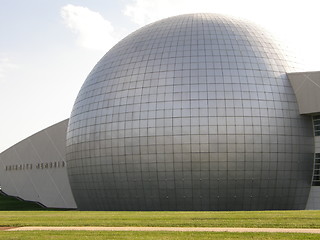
[{"x": 5, "y": 228}]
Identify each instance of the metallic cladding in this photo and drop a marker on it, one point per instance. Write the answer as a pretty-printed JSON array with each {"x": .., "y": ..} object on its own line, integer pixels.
[{"x": 193, "y": 112}]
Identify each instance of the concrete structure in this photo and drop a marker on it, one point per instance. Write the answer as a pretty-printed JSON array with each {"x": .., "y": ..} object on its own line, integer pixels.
[
  {"x": 194, "y": 112},
  {"x": 35, "y": 169},
  {"x": 306, "y": 86}
]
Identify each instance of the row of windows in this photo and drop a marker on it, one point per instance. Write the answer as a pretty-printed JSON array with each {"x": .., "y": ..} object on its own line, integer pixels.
[
  {"x": 316, "y": 170},
  {"x": 316, "y": 125},
  {"x": 316, "y": 167},
  {"x": 29, "y": 166}
]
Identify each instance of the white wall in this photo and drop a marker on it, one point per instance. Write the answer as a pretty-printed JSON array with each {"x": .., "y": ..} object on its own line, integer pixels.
[{"x": 35, "y": 168}]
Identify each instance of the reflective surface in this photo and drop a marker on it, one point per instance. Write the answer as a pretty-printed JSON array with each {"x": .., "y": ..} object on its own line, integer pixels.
[{"x": 193, "y": 112}]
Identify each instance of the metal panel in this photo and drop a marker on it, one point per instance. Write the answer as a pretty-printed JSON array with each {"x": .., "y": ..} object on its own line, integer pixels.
[{"x": 193, "y": 112}]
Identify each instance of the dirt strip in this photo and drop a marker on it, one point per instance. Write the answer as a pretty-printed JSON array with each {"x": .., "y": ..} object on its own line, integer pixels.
[
  {"x": 5, "y": 228},
  {"x": 171, "y": 229}
]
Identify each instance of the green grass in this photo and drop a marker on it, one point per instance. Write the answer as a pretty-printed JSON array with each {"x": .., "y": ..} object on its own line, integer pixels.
[
  {"x": 8, "y": 203},
  {"x": 273, "y": 219},
  {"x": 282, "y": 219},
  {"x": 34, "y": 215},
  {"x": 75, "y": 235}
]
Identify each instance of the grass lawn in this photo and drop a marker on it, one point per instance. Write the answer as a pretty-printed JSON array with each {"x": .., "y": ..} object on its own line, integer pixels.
[
  {"x": 11, "y": 203},
  {"x": 36, "y": 216},
  {"x": 75, "y": 235},
  {"x": 282, "y": 219}
]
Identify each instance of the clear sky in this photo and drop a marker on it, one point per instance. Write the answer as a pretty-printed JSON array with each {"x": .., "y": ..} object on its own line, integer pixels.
[{"x": 48, "y": 47}]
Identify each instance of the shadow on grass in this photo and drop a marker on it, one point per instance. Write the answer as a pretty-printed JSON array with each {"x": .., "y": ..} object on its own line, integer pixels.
[{"x": 9, "y": 203}]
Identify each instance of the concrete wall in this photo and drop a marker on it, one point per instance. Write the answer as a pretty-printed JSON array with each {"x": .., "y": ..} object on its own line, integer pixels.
[
  {"x": 35, "y": 168},
  {"x": 314, "y": 198},
  {"x": 306, "y": 86}
]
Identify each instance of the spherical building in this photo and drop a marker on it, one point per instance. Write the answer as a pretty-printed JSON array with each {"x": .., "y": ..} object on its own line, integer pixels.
[{"x": 193, "y": 112}]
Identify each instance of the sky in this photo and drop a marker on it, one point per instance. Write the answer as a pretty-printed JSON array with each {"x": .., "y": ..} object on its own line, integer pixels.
[{"x": 48, "y": 47}]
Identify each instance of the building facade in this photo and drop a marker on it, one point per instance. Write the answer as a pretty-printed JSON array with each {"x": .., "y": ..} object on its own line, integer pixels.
[
  {"x": 35, "y": 169},
  {"x": 194, "y": 112},
  {"x": 306, "y": 86}
]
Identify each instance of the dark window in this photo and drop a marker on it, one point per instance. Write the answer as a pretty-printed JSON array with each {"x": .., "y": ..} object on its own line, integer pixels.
[
  {"x": 316, "y": 125},
  {"x": 316, "y": 170}
]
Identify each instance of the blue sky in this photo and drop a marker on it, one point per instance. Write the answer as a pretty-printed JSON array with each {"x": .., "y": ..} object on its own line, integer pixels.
[{"x": 47, "y": 48}]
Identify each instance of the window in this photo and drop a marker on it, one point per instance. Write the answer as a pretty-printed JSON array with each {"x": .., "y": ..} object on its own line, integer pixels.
[
  {"x": 316, "y": 170},
  {"x": 316, "y": 125}
]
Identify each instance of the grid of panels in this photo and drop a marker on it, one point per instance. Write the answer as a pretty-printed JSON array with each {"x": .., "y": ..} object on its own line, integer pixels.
[{"x": 193, "y": 112}]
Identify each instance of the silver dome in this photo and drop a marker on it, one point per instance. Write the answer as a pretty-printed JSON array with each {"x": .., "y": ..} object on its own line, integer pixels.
[{"x": 193, "y": 112}]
